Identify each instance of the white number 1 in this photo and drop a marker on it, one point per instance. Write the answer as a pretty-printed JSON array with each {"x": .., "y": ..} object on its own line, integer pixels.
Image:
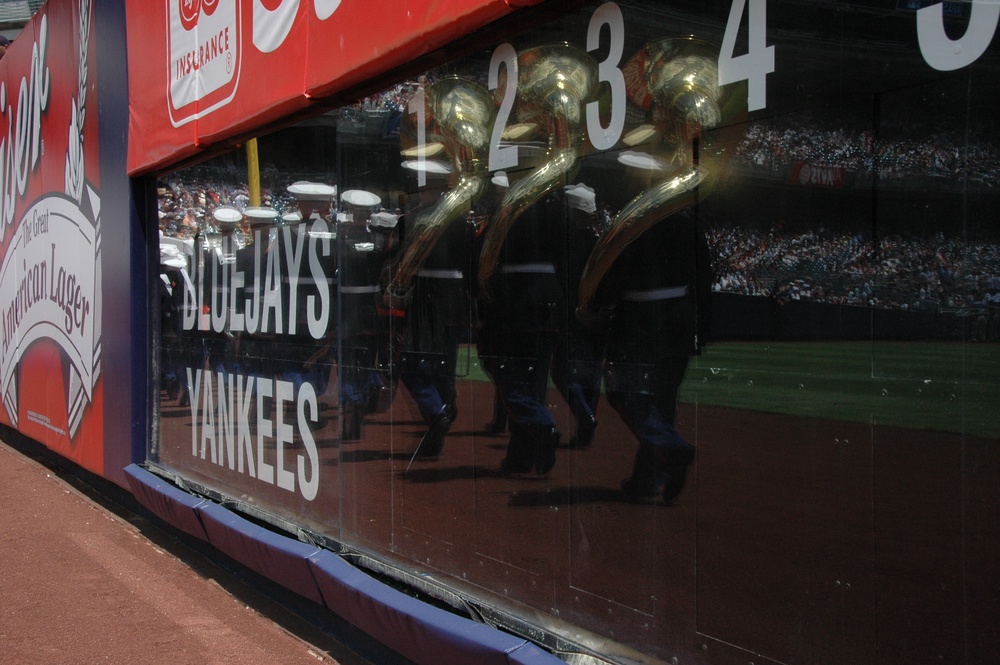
[
  {"x": 753, "y": 66},
  {"x": 417, "y": 105}
]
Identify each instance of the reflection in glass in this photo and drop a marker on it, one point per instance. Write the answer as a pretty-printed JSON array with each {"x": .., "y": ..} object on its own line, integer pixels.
[
  {"x": 836, "y": 248},
  {"x": 430, "y": 282},
  {"x": 523, "y": 253}
]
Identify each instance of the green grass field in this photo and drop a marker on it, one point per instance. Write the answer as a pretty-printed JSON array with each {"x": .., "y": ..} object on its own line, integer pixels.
[{"x": 949, "y": 387}]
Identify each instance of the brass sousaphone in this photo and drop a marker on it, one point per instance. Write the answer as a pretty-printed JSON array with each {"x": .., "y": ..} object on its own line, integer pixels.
[
  {"x": 694, "y": 129},
  {"x": 459, "y": 115},
  {"x": 553, "y": 85}
]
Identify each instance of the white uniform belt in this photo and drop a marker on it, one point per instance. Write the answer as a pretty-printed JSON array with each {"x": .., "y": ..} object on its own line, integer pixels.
[
  {"x": 649, "y": 295},
  {"x": 360, "y": 289},
  {"x": 440, "y": 274},
  {"x": 545, "y": 268}
]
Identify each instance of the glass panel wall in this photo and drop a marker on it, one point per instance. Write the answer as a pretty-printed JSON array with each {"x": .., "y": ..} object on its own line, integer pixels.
[{"x": 670, "y": 329}]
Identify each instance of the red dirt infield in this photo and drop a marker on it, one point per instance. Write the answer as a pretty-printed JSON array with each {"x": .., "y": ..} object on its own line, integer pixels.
[{"x": 85, "y": 584}]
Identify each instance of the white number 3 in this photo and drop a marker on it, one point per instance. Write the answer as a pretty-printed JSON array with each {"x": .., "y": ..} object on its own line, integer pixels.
[{"x": 609, "y": 14}]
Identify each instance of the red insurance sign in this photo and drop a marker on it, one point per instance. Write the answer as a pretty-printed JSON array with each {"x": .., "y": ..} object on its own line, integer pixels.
[
  {"x": 203, "y": 43},
  {"x": 204, "y": 71}
]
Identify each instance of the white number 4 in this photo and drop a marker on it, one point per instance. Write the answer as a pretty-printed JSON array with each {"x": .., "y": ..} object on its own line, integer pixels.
[{"x": 754, "y": 65}]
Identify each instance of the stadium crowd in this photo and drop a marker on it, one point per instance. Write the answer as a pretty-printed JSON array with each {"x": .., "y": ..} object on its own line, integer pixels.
[
  {"x": 186, "y": 203},
  {"x": 820, "y": 264},
  {"x": 903, "y": 151},
  {"x": 848, "y": 268}
]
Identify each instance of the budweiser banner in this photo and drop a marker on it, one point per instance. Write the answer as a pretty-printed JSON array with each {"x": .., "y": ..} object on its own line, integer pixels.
[{"x": 50, "y": 211}]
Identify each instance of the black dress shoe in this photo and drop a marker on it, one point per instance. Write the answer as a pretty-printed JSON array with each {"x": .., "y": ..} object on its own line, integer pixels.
[
  {"x": 545, "y": 450},
  {"x": 520, "y": 458},
  {"x": 642, "y": 484},
  {"x": 173, "y": 389},
  {"x": 532, "y": 449},
  {"x": 671, "y": 469},
  {"x": 584, "y": 435},
  {"x": 354, "y": 418},
  {"x": 674, "y": 485},
  {"x": 509, "y": 467},
  {"x": 432, "y": 443},
  {"x": 638, "y": 489},
  {"x": 656, "y": 466},
  {"x": 498, "y": 425}
]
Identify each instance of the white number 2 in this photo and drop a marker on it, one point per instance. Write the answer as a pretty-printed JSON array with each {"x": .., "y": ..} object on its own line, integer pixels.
[
  {"x": 503, "y": 157},
  {"x": 946, "y": 54},
  {"x": 753, "y": 66}
]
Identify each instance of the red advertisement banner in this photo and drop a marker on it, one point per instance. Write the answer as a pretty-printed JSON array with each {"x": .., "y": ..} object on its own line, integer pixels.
[
  {"x": 50, "y": 234},
  {"x": 203, "y": 71},
  {"x": 817, "y": 175}
]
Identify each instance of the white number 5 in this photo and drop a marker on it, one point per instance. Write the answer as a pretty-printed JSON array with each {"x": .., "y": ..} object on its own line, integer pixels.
[
  {"x": 945, "y": 54},
  {"x": 754, "y": 65}
]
